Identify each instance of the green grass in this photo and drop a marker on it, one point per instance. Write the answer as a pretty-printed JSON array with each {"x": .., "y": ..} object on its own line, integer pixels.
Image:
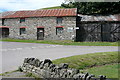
[
  {"x": 56, "y": 7},
  {"x": 104, "y": 63},
  {"x": 89, "y": 60},
  {"x": 111, "y": 70},
  {"x": 64, "y": 42}
]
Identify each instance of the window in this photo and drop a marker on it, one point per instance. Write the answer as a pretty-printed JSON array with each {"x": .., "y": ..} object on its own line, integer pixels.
[
  {"x": 59, "y": 20},
  {"x": 59, "y": 30},
  {"x": 22, "y": 20},
  {"x": 22, "y": 31}
]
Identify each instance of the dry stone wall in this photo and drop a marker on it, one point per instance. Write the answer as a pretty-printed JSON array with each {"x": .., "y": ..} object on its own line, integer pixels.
[{"x": 47, "y": 70}]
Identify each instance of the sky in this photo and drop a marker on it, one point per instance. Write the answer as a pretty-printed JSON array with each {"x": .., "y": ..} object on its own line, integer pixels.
[{"x": 15, "y": 5}]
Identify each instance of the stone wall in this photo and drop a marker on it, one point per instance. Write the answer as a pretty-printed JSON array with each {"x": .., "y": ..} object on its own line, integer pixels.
[
  {"x": 49, "y": 24},
  {"x": 46, "y": 69}
]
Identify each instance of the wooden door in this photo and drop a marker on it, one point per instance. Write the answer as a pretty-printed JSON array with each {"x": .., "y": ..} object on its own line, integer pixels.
[
  {"x": 40, "y": 33},
  {"x": 105, "y": 32}
]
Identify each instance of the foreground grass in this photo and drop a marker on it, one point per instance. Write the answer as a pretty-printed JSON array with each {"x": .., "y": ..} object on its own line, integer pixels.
[
  {"x": 64, "y": 42},
  {"x": 89, "y": 60},
  {"x": 104, "y": 63},
  {"x": 111, "y": 70}
]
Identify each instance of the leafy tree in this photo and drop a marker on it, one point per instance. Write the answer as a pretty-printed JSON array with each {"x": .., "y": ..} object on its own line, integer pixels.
[{"x": 94, "y": 7}]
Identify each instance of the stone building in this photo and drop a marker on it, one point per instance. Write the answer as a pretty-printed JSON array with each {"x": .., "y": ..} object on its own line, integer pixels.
[
  {"x": 59, "y": 24},
  {"x": 53, "y": 24}
]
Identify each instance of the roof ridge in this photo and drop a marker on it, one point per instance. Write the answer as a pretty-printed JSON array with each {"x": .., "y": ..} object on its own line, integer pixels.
[
  {"x": 58, "y": 9},
  {"x": 39, "y": 10}
]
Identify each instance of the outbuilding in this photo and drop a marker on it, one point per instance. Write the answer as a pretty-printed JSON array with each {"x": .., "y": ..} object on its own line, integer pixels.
[{"x": 98, "y": 28}]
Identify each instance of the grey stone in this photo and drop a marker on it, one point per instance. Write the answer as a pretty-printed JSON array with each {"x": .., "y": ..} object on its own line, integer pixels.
[
  {"x": 52, "y": 66},
  {"x": 102, "y": 77},
  {"x": 37, "y": 63},
  {"x": 47, "y": 61},
  {"x": 41, "y": 66},
  {"x": 63, "y": 66}
]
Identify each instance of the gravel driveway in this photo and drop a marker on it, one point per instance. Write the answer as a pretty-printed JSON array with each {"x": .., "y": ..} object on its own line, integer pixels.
[{"x": 13, "y": 53}]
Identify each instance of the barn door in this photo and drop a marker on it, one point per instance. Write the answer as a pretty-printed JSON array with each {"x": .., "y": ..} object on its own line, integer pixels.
[
  {"x": 40, "y": 33},
  {"x": 105, "y": 32},
  {"x": 89, "y": 32},
  {"x": 115, "y": 31},
  {"x": 80, "y": 34}
]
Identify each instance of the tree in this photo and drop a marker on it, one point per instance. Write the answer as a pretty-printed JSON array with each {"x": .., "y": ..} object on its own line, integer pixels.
[{"x": 94, "y": 7}]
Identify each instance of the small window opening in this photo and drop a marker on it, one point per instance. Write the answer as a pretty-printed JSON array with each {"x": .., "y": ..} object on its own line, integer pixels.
[
  {"x": 22, "y": 31},
  {"x": 22, "y": 20},
  {"x": 59, "y": 20},
  {"x": 59, "y": 30}
]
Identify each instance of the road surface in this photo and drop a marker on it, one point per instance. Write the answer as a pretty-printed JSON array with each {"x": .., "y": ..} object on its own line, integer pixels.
[{"x": 13, "y": 53}]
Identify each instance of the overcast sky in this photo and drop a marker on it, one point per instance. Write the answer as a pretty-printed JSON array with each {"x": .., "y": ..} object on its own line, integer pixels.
[{"x": 15, "y": 5}]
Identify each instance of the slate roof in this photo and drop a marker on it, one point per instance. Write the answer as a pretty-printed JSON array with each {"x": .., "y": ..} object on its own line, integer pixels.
[
  {"x": 40, "y": 13},
  {"x": 115, "y": 17}
]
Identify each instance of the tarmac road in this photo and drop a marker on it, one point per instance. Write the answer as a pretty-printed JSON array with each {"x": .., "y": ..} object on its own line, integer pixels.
[{"x": 13, "y": 53}]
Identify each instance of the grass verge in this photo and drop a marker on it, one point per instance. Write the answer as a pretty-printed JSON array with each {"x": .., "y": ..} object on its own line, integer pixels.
[
  {"x": 89, "y": 60},
  {"x": 111, "y": 70},
  {"x": 64, "y": 42},
  {"x": 104, "y": 63}
]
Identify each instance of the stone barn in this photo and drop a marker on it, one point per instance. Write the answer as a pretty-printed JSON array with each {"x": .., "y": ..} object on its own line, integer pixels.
[
  {"x": 51, "y": 24},
  {"x": 98, "y": 28},
  {"x": 59, "y": 24}
]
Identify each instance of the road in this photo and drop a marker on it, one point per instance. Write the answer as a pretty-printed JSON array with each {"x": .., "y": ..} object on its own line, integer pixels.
[{"x": 13, "y": 53}]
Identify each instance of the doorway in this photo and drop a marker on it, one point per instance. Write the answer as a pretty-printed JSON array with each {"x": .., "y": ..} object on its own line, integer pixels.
[
  {"x": 4, "y": 32},
  {"x": 80, "y": 34},
  {"x": 105, "y": 32},
  {"x": 40, "y": 33}
]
